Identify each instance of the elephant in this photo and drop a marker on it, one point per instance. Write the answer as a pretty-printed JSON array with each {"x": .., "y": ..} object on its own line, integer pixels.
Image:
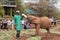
[{"x": 39, "y": 22}]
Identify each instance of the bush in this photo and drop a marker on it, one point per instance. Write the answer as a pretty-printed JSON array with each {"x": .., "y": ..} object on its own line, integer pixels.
[{"x": 1, "y": 10}]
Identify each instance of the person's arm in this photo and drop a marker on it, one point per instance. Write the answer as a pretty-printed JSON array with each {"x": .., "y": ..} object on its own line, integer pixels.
[
  {"x": 14, "y": 21},
  {"x": 21, "y": 17}
]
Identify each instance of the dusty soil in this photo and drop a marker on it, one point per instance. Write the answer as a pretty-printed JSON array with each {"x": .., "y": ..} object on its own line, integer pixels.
[
  {"x": 44, "y": 36},
  {"x": 51, "y": 37},
  {"x": 23, "y": 37}
]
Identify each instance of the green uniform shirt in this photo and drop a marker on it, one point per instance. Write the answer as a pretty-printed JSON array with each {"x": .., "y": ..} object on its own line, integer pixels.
[{"x": 17, "y": 22}]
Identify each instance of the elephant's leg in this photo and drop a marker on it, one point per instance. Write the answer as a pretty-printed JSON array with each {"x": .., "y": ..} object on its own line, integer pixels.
[{"x": 37, "y": 30}]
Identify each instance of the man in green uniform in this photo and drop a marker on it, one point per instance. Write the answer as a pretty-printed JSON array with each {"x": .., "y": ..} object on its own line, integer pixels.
[{"x": 17, "y": 23}]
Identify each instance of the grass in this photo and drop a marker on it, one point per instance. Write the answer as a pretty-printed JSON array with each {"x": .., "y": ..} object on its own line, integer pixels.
[
  {"x": 6, "y": 35},
  {"x": 10, "y": 35}
]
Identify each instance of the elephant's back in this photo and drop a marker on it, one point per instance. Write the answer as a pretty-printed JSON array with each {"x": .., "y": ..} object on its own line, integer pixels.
[{"x": 45, "y": 22}]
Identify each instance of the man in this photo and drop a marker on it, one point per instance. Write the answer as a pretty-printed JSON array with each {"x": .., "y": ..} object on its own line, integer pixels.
[
  {"x": 9, "y": 23},
  {"x": 0, "y": 24},
  {"x": 5, "y": 24},
  {"x": 24, "y": 21},
  {"x": 17, "y": 23},
  {"x": 54, "y": 20}
]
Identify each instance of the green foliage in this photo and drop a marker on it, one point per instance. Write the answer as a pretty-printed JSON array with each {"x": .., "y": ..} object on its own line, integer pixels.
[
  {"x": 13, "y": 13},
  {"x": 58, "y": 15},
  {"x": 1, "y": 10},
  {"x": 19, "y": 6},
  {"x": 45, "y": 8}
]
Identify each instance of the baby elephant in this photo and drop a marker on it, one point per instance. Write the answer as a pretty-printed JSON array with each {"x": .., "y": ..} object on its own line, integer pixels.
[{"x": 40, "y": 22}]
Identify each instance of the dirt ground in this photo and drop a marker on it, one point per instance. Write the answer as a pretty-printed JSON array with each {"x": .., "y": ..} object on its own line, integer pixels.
[
  {"x": 44, "y": 36},
  {"x": 51, "y": 36}
]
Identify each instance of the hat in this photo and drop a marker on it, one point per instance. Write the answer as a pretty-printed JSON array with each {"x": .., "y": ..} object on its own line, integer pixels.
[{"x": 18, "y": 11}]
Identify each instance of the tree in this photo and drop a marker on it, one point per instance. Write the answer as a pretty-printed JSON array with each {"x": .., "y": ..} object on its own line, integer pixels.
[
  {"x": 46, "y": 8},
  {"x": 58, "y": 15},
  {"x": 1, "y": 10},
  {"x": 19, "y": 6}
]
